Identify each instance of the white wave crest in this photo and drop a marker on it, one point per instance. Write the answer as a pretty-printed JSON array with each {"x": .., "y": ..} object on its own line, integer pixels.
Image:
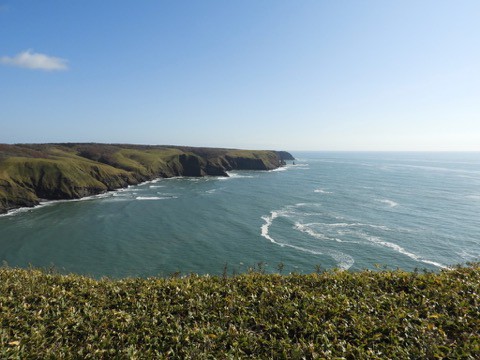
[
  {"x": 305, "y": 228},
  {"x": 265, "y": 229},
  {"x": 321, "y": 191},
  {"x": 155, "y": 197},
  {"x": 401, "y": 250},
  {"x": 390, "y": 203},
  {"x": 20, "y": 210},
  {"x": 235, "y": 175},
  {"x": 354, "y": 225},
  {"x": 94, "y": 197},
  {"x": 44, "y": 203},
  {"x": 344, "y": 261}
]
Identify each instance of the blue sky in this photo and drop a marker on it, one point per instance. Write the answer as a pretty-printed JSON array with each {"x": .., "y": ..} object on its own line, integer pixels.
[{"x": 269, "y": 74}]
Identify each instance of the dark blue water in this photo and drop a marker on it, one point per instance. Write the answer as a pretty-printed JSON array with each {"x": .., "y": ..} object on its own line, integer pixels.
[{"x": 345, "y": 210}]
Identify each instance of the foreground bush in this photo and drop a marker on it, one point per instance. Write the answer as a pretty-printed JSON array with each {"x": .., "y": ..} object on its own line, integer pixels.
[{"x": 390, "y": 314}]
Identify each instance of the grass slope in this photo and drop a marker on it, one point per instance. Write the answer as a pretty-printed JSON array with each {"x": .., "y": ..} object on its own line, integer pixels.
[
  {"x": 339, "y": 314},
  {"x": 32, "y": 172}
]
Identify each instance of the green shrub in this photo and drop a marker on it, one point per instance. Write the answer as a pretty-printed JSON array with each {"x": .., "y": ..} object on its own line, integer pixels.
[{"x": 338, "y": 314}]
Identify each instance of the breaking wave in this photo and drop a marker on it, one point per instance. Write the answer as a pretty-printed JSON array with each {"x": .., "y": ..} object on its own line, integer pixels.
[
  {"x": 344, "y": 261},
  {"x": 388, "y": 202},
  {"x": 328, "y": 231}
]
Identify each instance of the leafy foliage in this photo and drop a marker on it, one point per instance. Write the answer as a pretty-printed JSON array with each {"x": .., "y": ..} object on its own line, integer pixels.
[{"x": 338, "y": 314}]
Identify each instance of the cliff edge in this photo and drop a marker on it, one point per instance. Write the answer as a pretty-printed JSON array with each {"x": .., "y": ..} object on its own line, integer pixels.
[{"x": 30, "y": 172}]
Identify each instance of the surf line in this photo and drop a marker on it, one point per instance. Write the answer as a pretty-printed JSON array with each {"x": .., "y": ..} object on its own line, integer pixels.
[
  {"x": 44, "y": 202},
  {"x": 344, "y": 261}
]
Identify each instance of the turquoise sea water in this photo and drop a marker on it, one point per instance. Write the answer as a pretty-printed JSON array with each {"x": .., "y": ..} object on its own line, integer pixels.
[{"x": 346, "y": 210}]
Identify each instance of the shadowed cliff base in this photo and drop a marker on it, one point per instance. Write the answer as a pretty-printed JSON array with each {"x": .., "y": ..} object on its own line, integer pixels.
[{"x": 30, "y": 172}]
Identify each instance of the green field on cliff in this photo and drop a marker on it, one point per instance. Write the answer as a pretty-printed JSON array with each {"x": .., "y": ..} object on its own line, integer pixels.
[
  {"x": 333, "y": 315},
  {"x": 30, "y": 172}
]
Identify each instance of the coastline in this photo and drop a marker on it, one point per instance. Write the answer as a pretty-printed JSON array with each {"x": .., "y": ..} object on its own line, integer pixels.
[
  {"x": 31, "y": 174},
  {"x": 47, "y": 202}
]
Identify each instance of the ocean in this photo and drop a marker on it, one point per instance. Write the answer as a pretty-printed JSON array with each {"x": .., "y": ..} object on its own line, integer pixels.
[{"x": 327, "y": 210}]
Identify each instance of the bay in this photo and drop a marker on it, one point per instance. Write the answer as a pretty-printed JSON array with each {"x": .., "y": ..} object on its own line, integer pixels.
[{"x": 345, "y": 210}]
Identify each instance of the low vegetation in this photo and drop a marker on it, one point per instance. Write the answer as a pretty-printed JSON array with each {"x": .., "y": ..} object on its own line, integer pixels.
[{"x": 335, "y": 314}]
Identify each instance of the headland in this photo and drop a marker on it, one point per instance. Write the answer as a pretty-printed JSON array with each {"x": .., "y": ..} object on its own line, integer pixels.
[{"x": 30, "y": 173}]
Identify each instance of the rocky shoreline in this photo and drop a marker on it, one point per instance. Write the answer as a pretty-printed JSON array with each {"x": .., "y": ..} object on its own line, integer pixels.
[{"x": 30, "y": 173}]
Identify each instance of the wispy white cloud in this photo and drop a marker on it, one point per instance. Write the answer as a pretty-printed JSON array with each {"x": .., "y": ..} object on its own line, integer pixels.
[{"x": 29, "y": 59}]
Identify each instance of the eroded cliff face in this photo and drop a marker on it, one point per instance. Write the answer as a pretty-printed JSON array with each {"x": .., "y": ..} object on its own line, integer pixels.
[
  {"x": 29, "y": 173},
  {"x": 284, "y": 155}
]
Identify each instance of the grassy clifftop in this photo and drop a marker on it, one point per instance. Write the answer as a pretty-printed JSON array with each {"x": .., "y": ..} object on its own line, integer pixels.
[
  {"x": 332, "y": 315},
  {"x": 68, "y": 171}
]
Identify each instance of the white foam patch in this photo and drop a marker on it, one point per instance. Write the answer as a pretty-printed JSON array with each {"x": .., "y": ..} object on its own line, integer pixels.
[
  {"x": 344, "y": 261},
  {"x": 354, "y": 225},
  {"x": 306, "y": 228},
  {"x": 234, "y": 175},
  {"x": 265, "y": 229},
  {"x": 322, "y": 191},
  {"x": 44, "y": 203},
  {"x": 130, "y": 188},
  {"x": 167, "y": 196},
  {"x": 302, "y": 166},
  {"x": 156, "y": 186},
  {"x": 154, "y": 181},
  {"x": 473, "y": 196},
  {"x": 20, "y": 211},
  {"x": 401, "y": 250},
  {"x": 109, "y": 194},
  {"x": 155, "y": 197},
  {"x": 388, "y": 202},
  {"x": 94, "y": 197},
  {"x": 299, "y": 167},
  {"x": 308, "y": 205}
]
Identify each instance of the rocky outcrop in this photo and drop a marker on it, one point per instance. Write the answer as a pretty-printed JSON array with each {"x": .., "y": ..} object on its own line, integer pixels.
[
  {"x": 192, "y": 165},
  {"x": 242, "y": 163},
  {"x": 13, "y": 196},
  {"x": 29, "y": 173},
  {"x": 284, "y": 155}
]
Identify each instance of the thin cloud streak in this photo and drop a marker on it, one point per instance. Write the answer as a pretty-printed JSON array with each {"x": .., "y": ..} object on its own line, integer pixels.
[{"x": 36, "y": 61}]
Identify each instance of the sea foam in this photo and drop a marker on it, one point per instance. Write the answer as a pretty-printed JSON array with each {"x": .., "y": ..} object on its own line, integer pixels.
[
  {"x": 322, "y": 191},
  {"x": 343, "y": 260},
  {"x": 402, "y": 251},
  {"x": 390, "y": 203}
]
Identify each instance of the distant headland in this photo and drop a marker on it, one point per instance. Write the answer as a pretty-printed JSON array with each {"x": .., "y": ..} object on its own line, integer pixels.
[{"x": 31, "y": 172}]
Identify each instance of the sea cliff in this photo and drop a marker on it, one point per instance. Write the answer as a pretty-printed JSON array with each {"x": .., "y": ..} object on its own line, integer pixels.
[{"x": 31, "y": 172}]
